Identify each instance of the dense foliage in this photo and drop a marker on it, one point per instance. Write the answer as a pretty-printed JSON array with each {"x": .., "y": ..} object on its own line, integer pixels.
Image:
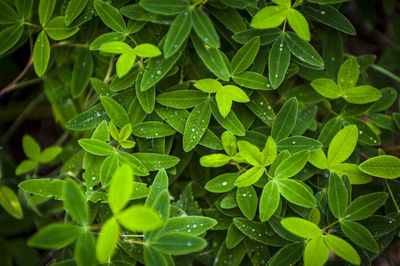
[{"x": 205, "y": 132}]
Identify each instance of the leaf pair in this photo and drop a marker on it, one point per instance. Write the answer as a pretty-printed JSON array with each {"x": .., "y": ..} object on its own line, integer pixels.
[
  {"x": 346, "y": 85},
  {"x": 128, "y": 55},
  {"x": 224, "y": 95},
  {"x": 122, "y": 136},
  {"x": 32, "y": 151},
  {"x": 273, "y": 16},
  {"x": 317, "y": 248}
]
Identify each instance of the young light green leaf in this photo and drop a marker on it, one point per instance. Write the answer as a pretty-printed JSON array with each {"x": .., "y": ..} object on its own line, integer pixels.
[
  {"x": 278, "y": 62},
  {"x": 96, "y": 147},
  {"x": 296, "y": 192},
  {"x": 316, "y": 253},
  {"x": 121, "y": 188},
  {"x": 226, "y": 95},
  {"x": 268, "y": 154},
  {"x": 176, "y": 243},
  {"x": 326, "y": 87},
  {"x": 177, "y": 33},
  {"x": 246, "y": 198},
  {"x": 41, "y": 54},
  {"x": 54, "y": 236},
  {"x": 362, "y": 94},
  {"x": 301, "y": 227},
  {"x": 285, "y": 120},
  {"x": 342, "y": 248},
  {"x": 359, "y": 235},
  {"x": 348, "y": 74},
  {"x": 250, "y": 177},
  {"x": 342, "y": 145},
  {"x": 74, "y": 8},
  {"x": 139, "y": 218},
  {"x": 125, "y": 63},
  {"x": 115, "y": 47},
  {"x": 75, "y": 202},
  {"x": 110, "y": 16},
  {"x": 355, "y": 176},
  {"x": 337, "y": 195},
  {"x": 46, "y": 8},
  {"x": 208, "y": 85},
  {"x": 364, "y": 206},
  {"x": 49, "y": 154},
  {"x": 214, "y": 160},
  {"x": 245, "y": 56},
  {"x": 269, "y": 17},
  {"x": 85, "y": 250},
  {"x": 204, "y": 28},
  {"x": 299, "y": 24},
  {"x": 107, "y": 240},
  {"x": 251, "y": 153},
  {"x": 269, "y": 201},
  {"x": 9, "y": 201},
  {"x": 115, "y": 111},
  {"x": 31, "y": 147},
  {"x": 292, "y": 165},
  {"x": 384, "y": 166},
  {"x": 229, "y": 143},
  {"x": 196, "y": 125},
  {"x": 146, "y": 50}
]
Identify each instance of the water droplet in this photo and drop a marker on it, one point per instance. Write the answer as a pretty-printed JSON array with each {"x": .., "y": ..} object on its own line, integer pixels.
[
  {"x": 360, "y": 132},
  {"x": 195, "y": 225},
  {"x": 322, "y": 12},
  {"x": 224, "y": 183},
  {"x": 189, "y": 244},
  {"x": 293, "y": 142},
  {"x": 158, "y": 72}
]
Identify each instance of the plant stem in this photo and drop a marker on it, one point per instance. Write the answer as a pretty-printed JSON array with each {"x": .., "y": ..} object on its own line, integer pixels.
[
  {"x": 32, "y": 25},
  {"x": 385, "y": 72},
  {"x": 392, "y": 196},
  {"x": 329, "y": 226}
]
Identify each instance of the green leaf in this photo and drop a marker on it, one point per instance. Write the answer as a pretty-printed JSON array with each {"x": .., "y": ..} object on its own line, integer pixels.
[
  {"x": 266, "y": 36},
  {"x": 139, "y": 218},
  {"x": 25, "y": 166},
  {"x": 348, "y": 74},
  {"x": 212, "y": 58},
  {"x": 359, "y": 235},
  {"x": 229, "y": 143},
  {"x": 74, "y": 8},
  {"x": 164, "y": 7},
  {"x": 182, "y": 99},
  {"x": 303, "y": 50},
  {"x": 296, "y": 192},
  {"x": 125, "y": 63},
  {"x": 269, "y": 201},
  {"x": 326, "y": 87},
  {"x": 146, "y": 50},
  {"x": 110, "y": 16},
  {"x": 24, "y": 7},
  {"x": 233, "y": 237},
  {"x": 177, "y": 33},
  {"x": 285, "y": 120},
  {"x": 115, "y": 47},
  {"x": 10, "y": 36},
  {"x": 196, "y": 125},
  {"x": 154, "y": 258},
  {"x": 46, "y": 8},
  {"x": 226, "y": 95},
  {"x": 54, "y": 236},
  {"x": 147, "y": 99},
  {"x": 121, "y": 188},
  {"x": 115, "y": 111},
  {"x": 298, "y": 143},
  {"x": 287, "y": 255},
  {"x": 160, "y": 184},
  {"x": 137, "y": 167},
  {"x": 153, "y": 161},
  {"x": 316, "y": 253},
  {"x": 292, "y": 165},
  {"x": 222, "y": 183},
  {"x": 31, "y": 147},
  {"x": 278, "y": 62},
  {"x": 83, "y": 69},
  {"x": 8, "y": 14},
  {"x": 57, "y": 30},
  {"x": 269, "y": 17},
  {"x": 156, "y": 69},
  {"x": 108, "y": 167},
  {"x": 9, "y": 201},
  {"x": 204, "y": 28},
  {"x": 245, "y": 56},
  {"x": 384, "y": 166},
  {"x": 41, "y": 54},
  {"x": 337, "y": 195},
  {"x": 301, "y": 227},
  {"x": 75, "y": 202},
  {"x": 342, "y": 249},
  {"x": 49, "y": 154},
  {"x": 214, "y": 160},
  {"x": 208, "y": 85},
  {"x": 355, "y": 176},
  {"x": 85, "y": 250},
  {"x": 342, "y": 145},
  {"x": 44, "y": 187},
  {"x": 364, "y": 206},
  {"x": 330, "y": 16},
  {"x": 330, "y": 129},
  {"x": 96, "y": 147},
  {"x": 251, "y": 153},
  {"x": 250, "y": 177},
  {"x": 106, "y": 38},
  {"x": 246, "y": 198},
  {"x": 362, "y": 94},
  {"x": 252, "y": 80},
  {"x": 107, "y": 240},
  {"x": 176, "y": 243},
  {"x": 194, "y": 225},
  {"x": 152, "y": 129},
  {"x": 299, "y": 24}
]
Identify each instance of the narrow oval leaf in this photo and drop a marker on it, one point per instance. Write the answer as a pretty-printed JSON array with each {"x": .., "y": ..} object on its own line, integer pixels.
[
  {"x": 303, "y": 50},
  {"x": 152, "y": 129},
  {"x": 177, "y": 33},
  {"x": 107, "y": 240},
  {"x": 359, "y": 235},
  {"x": 269, "y": 201},
  {"x": 81, "y": 73},
  {"x": 298, "y": 143},
  {"x": 194, "y": 225},
  {"x": 75, "y": 202},
  {"x": 9, "y": 201},
  {"x": 342, "y": 145},
  {"x": 245, "y": 56},
  {"x": 178, "y": 243},
  {"x": 292, "y": 165},
  {"x": 364, "y": 206},
  {"x": 96, "y": 147},
  {"x": 45, "y": 10},
  {"x": 110, "y": 16},
  {"x": 41, "y": 54},
  {"x": 54, "y": 236},
  {"x": 196, "y": 125},
  {"x": 285, "y": 120},
  {"x": 121, "y": 188},
  {"x": 342, "y": 249},
  {"x": 204, "y": 28},
  {"x": 74, "y": 8},
  {"x": 85, "y": 250},
  {"x": 278, "y": 62},
  {"x": 301, "y": 227},
  {"x": 384, "y": 166},
  {"x": 296, "y": 192},
  {"x": 222, "y": 183},
  {"x": 246, "y": 198},
  {"x": 337, "y": 195},
  {"x": 10, "y": 36},
  {"x": 115, "y": 111},
  {"x": 139, "y": 218},
  {"x": 164, "y": 7},
  {"x": 182, "y": 99}
]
